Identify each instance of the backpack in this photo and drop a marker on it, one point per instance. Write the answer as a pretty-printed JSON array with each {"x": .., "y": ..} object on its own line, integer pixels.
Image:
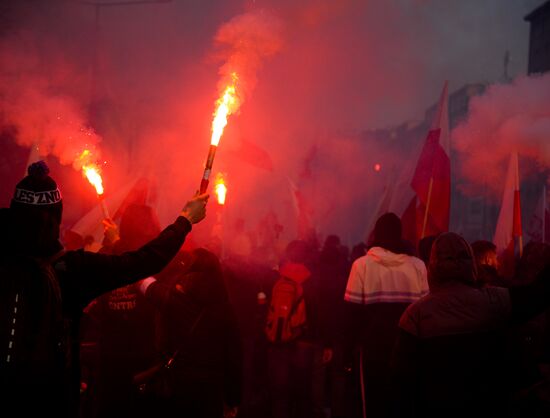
[
  {"x": 286, "y": 317},
  {"x": 32, "y": 345}
]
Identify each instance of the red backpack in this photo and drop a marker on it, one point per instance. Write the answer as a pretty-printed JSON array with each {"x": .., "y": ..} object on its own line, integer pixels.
[{"x": 286, "y": 317}]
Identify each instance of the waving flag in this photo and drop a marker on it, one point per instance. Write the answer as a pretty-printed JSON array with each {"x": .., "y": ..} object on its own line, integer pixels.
[
  {"x": 428, "y": 211},
  {"x": 508, "y": 233}
]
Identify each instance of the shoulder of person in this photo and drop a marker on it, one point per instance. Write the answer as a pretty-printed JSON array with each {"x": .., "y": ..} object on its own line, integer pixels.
[
  {"x": 409, "y": 320},
  {"x": 418, "y": 263}
]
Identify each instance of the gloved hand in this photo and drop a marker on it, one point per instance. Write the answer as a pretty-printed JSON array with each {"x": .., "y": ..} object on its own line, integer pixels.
[{"x": 195, "y": 209}]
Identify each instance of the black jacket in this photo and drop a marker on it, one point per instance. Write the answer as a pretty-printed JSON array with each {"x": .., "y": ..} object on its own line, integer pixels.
[
  {"x": 197, "y": 320},
  {"x": 450, "y": 357},
  {"x": 83, "y": 276}
]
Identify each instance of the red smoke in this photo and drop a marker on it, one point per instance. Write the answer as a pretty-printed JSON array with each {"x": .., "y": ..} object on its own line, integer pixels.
[
  {"x": 243, "y": 44},
  {"x": 316, "y": 73},
  {"x": 39, "y": 107}
]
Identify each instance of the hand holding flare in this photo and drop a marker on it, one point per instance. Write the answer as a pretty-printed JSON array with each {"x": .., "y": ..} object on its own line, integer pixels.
[{"x": 195, "y": 209}]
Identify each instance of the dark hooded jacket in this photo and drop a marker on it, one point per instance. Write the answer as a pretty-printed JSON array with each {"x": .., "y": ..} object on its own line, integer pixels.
[
  {"x": 82, "y": 276},
  {"x": 449, "y": 356},
  {"x": 124, "y": 322},
  {"x": 197, "y": 321}
]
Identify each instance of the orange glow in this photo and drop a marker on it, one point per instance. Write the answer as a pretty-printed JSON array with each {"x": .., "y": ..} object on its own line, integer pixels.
[
  {"x": 221, "y": 190},
  {"x": 226, "y": 105},
  {"x": 94, "y": 177},
  {"x": 90, "y": 170}
]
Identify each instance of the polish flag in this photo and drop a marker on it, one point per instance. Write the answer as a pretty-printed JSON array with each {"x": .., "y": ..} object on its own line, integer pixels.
[
  {"x": 508, "y": 232},
  {"x": 428, "y": 210}
]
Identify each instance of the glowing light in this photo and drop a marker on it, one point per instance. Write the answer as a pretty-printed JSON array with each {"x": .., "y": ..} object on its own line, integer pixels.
[
  {"x": 90, "y": 170},
  {"x": 94, "y": 177},
  {"x": 377, "y": 167},
  {"x": 221, "y": 190},
  {"x": 226, "y": 105}
]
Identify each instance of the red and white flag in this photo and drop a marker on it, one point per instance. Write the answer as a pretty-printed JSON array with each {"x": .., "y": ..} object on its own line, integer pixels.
[
  {"x": 508, "y": 233},
  {"x": 141, "y": 191},
  {"x": 428, "y": 211}
]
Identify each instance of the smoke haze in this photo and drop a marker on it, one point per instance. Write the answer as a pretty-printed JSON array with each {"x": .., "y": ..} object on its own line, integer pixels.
[
  {"x": 137, "y": 84},
  {"x": 506, "y": 119}
]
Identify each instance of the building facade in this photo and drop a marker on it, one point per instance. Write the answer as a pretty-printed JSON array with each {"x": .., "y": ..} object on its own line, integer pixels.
[{"x": 539, "y": 39}]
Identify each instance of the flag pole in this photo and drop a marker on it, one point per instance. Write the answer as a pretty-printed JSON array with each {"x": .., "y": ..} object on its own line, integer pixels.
[
  {"x": 427, "y": 207},
  {"x": 520, "y": 238},
  {"x": 520, "y": 246},
  {"x": 544, "y": 214}
]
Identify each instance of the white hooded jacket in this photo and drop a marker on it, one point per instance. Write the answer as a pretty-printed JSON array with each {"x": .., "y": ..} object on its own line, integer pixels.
[{"x": 381, "y": 276}]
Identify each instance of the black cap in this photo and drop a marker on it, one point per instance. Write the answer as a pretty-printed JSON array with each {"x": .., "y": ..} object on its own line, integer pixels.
[{"x": 38, "y": 191}]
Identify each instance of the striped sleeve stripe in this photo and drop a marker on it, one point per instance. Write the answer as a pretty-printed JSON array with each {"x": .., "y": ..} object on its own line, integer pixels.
[
  {"x": 353, "y": 297},
  {"x": 378, "y": 297},
  {"x": 386, "y": 293}
]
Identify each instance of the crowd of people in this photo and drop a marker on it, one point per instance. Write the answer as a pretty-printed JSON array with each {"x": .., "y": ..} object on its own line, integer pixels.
[{"x": 386, "y": 329}]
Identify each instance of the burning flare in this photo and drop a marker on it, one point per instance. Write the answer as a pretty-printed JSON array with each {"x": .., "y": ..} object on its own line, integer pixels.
[
  {"x": 93, "y": 175},
  {"x": 221, "y": 189},
  {"x": 90, "y": 170},
  {"x": 227, "y": 104}
]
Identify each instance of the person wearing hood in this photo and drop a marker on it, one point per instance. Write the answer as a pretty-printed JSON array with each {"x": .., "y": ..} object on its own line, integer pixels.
[
  {"x": 450, "y": 356},
  {"x": 197, "y": 329},
  {"x": 381, "y": 285},
  {"x": 47, "y": 381}
]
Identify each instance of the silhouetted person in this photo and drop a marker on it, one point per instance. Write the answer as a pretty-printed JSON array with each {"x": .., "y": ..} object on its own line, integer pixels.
[
  {"x": 380, "y": 286},
  {"x": 197, "y": 328},
  {"x": 529, "y": 342},
  {"x": 44, "y": 378},
  {"x": 425, "y": 248},
  {"x": 333, "y": 273},
  {"x": 124, "y": 323},
  {"x": 358, "y": 250},
  {"x": 249, "y": 286},
  {"x": 297, "y": 351},
  {"x": 450, "y": 357}
]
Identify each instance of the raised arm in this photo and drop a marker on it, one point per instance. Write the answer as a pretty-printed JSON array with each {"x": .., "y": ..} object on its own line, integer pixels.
[{"x": 92, "y": 274}]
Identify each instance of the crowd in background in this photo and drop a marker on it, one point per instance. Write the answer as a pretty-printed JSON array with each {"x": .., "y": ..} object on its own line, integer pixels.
[{"x": 344, "y": 364}]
